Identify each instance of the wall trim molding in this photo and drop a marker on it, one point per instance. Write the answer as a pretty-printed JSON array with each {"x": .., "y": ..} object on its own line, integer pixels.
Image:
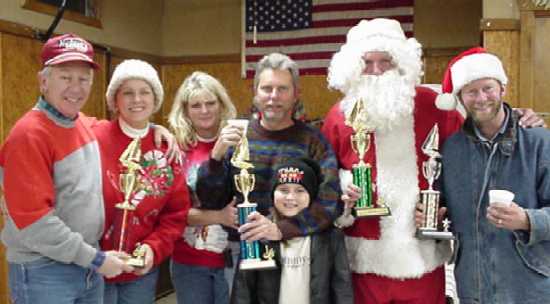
[
  {"x": 17, "y": 29},
  {"x": 499, "y": 24},
  {"x": 44, "y": 8},
  {"x": 194, "y": 59}
]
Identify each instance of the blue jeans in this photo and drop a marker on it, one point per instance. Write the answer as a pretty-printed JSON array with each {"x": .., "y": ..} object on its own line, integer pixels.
[
  {"x": 138, "y": 291},
  {"x": 199, "y": 284},
  {"x": 46, "y": 281},
  {"x": 235, "y": 256}
]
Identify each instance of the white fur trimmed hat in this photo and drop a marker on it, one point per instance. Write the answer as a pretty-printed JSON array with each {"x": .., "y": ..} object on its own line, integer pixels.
[
  {"x": 134, "y": 69},
  {"x": 376, "y": 35},
  {"x": 468, "y": 66}
]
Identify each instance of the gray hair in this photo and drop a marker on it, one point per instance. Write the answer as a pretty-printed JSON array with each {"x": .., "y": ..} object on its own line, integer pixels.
[
  {"x": 277, "y": 61},
  {"x": 45, "y": 72}
]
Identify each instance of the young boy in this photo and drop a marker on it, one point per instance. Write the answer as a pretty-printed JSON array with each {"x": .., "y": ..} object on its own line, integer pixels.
[{"x": 311, "y": 269}]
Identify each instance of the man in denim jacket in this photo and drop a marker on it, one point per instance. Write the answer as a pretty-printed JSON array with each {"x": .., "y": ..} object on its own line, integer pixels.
[{"x": 503, "y": 254}]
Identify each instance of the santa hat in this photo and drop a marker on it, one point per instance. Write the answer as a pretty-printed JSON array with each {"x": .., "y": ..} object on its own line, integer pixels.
[
  {"x": 134, "y": 69},
  {"x": 376, "y": 35},
  {"x": 468, "y": 66}
]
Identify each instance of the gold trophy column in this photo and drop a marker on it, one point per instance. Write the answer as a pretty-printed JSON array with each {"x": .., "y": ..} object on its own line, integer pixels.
[{"x": 130, "y": 160}]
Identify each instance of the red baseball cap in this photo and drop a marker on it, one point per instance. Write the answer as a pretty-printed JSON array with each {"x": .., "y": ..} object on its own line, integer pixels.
[{"x": 65, "y": 48}]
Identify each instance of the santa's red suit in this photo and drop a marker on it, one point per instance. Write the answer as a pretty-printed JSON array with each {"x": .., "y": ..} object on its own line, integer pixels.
[{"x": 385, "y": 256}]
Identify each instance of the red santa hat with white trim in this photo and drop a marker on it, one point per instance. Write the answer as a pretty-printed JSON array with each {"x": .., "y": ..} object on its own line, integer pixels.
[{"x": 468, "y": 66}]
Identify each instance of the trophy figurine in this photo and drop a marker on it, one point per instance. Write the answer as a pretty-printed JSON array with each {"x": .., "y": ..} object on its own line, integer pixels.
[
  {"x": 362, "y": 175},
  {"x": 130, "y": 160},
  {"x": 251, "y": 256},
  {"x": 430, "y": 197}
]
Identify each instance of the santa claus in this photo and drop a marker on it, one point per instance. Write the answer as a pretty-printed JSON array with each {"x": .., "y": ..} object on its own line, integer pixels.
[{"x": 381, "y": 68}]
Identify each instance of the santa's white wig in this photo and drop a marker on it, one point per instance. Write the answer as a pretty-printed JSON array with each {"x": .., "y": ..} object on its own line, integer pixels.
[{"x": 376, "y": 35}]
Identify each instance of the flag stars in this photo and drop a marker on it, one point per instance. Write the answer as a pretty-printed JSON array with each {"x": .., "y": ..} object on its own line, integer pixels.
[{"x": 277, "y": 15}]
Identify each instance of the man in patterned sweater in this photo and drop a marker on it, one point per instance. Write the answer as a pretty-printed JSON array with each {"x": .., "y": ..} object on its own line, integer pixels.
[
  {"x": 51, "y": 178},
  {"x": 274, "y": 137}
]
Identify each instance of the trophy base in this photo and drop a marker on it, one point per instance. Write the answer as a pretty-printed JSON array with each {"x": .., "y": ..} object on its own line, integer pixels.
[
  {"x": 257, "y": 264},
  {"x": 433, "y": 234},
  {"x": 371, "y": 211},
  {"x": 135, "y": 262}
]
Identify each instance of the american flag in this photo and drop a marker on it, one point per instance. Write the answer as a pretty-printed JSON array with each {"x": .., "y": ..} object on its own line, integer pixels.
[{"x": 311, "y": 31}]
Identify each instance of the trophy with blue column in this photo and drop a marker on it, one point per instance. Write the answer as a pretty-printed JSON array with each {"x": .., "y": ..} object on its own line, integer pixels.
[
  {"x": 362, "y": 171},
  {"x": 252, "y": 255}
]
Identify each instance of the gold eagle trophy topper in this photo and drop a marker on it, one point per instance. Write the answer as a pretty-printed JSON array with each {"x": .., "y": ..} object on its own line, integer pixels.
[
  {"x": 251, "y": 257},
  {"x": 361, "y": 171}
]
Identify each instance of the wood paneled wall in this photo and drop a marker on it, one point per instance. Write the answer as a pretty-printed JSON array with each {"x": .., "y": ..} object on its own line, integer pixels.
[
  {"x": 501, "y": 37},
  {"x": 435, "y": 62},
  {"x": 534, "y": 62},
  {"x": 522, "y": 45}
]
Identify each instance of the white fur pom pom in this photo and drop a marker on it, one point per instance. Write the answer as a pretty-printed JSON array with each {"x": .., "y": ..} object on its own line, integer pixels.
[{"x": 446, "y": 102}]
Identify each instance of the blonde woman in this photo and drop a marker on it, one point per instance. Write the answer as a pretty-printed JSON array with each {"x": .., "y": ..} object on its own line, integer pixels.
[{"x": 201, "y": 108}]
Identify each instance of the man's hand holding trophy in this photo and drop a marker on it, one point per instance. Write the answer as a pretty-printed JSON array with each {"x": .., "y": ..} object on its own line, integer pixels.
[
  {"x": 251, "y": 255},
  {"x": 142, "y": 256},
  {"x": 429, "y": 214}
]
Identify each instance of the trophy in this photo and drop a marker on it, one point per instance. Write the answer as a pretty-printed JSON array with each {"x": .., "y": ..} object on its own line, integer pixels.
[
  {"x": 362, "y": 175},
  {"x": 251, "y": 255},
  {"x": 430, "y": 197},
  {"x": 128, "y": 180}
]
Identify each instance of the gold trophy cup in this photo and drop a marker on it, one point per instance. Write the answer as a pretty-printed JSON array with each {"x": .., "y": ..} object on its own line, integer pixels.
[
  {"x": 431, "y": 169},
  {"x": 130, "y": 160},
  {"x": 362, "y": 172}
]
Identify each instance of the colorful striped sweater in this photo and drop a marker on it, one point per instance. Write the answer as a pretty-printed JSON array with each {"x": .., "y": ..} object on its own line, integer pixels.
[{"x": 216, "y": 188}]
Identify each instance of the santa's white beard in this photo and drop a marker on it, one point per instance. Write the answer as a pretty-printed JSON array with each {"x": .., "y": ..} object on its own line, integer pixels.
[{"x": 387, "y": 99}]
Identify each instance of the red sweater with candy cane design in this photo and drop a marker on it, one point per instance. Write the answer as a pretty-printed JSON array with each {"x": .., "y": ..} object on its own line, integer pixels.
[
  {"x": 161, "y": 201},
  {"x": 199, "y": 245}
]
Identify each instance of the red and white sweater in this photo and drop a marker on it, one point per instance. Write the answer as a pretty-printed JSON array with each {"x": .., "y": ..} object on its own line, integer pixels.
[
  {"x": 387, "y": 246},
  {"x": 161, "y": 203},
  {"x": 199, "y": 245},
  {"x": 49, "y": 169}
]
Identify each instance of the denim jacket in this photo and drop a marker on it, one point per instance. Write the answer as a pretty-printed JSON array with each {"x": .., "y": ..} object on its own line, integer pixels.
[{"x": 495, "y": 265}]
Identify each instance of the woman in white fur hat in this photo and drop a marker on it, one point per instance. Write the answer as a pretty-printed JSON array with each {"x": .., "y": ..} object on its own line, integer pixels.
[{"x": 159, "y": 199}]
